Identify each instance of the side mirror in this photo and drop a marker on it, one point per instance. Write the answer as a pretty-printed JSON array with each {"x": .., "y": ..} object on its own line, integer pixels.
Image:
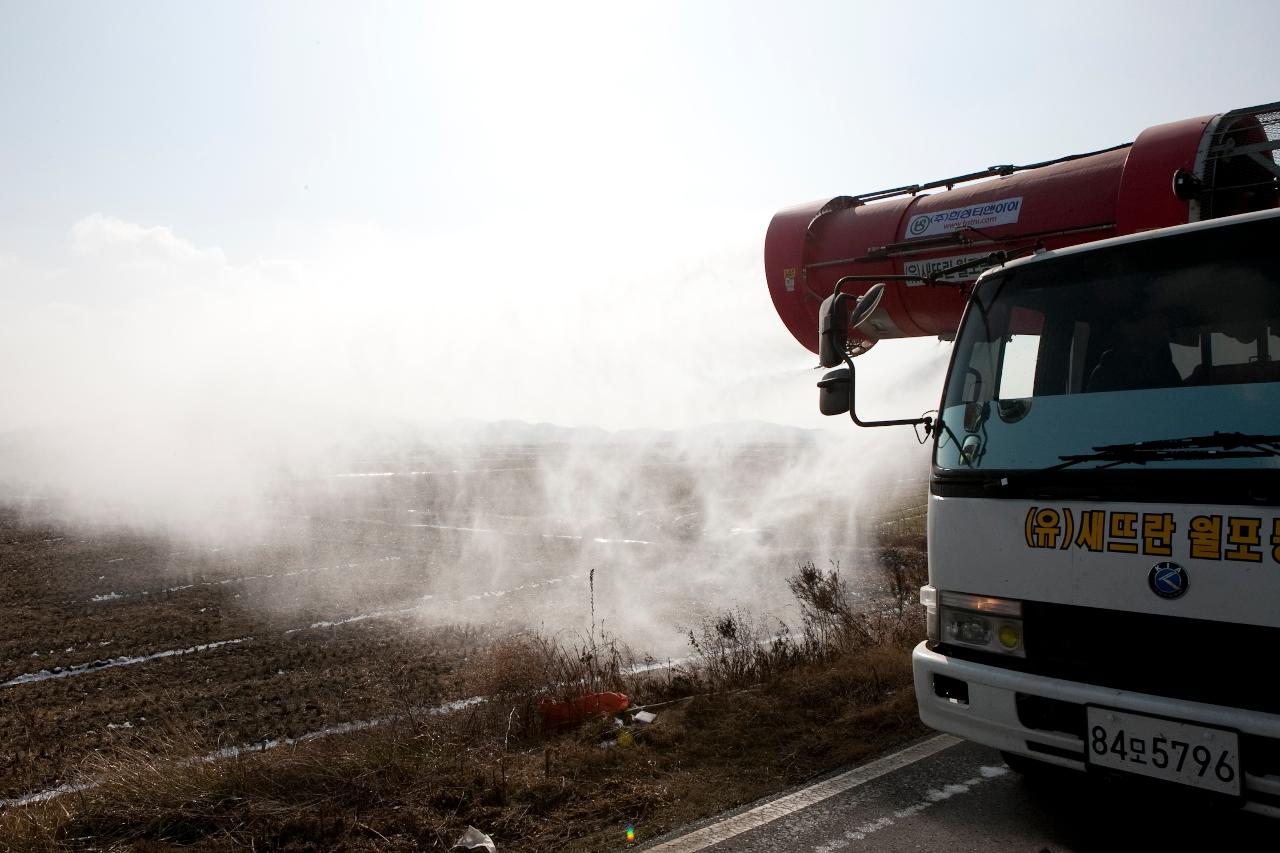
[
  {"x": 833, "y": 329},
  {"x": 835, "y": 322},
  {"x": 833, "y": 392},
  {"x": 867, "y": 304}
]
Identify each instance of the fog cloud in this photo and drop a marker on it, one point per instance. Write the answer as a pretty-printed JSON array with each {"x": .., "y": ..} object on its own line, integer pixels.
[{"x": 162, "y": 377}]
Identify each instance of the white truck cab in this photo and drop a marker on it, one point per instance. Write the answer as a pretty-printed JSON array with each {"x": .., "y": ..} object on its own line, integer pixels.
[{"x": 1104, "y": 512}]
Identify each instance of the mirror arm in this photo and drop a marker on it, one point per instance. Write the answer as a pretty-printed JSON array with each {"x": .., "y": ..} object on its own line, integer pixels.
[{"x": 853, "y": 414}]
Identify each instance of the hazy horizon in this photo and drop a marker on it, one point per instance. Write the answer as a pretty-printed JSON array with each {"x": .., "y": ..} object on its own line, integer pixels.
[{"x": 234, "y": 238}]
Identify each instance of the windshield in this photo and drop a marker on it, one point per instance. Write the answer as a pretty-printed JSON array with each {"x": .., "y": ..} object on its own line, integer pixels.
[{"x": 1160, "y": 339}]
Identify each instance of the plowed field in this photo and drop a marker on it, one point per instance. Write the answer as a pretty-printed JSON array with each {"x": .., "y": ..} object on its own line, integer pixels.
[{"x": 359, "y": 593}]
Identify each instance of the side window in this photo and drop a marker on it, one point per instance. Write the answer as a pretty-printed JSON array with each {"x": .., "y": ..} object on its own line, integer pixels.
[
  {"x": 1021, "y": 354},
  {"x": 980, "y": 376},
  {"x": 1237, "y": 355},
  {"x": 1078, "y": 358},
  {"x": 1186, "y": 356},
  {"x": 1227, "y": 349},
  {"x": 1018, "y": 374}
]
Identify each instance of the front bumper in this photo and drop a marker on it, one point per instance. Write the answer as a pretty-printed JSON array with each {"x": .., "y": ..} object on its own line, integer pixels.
[{"x": 995, "y": 714}]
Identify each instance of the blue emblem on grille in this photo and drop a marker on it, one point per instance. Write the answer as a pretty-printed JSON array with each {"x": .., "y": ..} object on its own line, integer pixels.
[{"x": 1168, "y": 580}]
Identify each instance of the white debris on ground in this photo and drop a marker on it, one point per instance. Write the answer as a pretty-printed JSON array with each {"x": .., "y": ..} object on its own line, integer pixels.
[{"x": 474, "y": 839}]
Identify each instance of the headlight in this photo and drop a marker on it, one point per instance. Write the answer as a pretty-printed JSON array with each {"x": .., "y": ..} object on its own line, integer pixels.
[{"x": 979, "y": 621}]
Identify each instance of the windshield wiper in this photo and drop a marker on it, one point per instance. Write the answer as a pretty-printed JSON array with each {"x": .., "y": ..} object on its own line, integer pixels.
[{"x": 1216, "y": 445}]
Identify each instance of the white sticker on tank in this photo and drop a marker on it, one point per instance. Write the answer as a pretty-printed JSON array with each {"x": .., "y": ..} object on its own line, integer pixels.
[{"x": 985, "y": 215}]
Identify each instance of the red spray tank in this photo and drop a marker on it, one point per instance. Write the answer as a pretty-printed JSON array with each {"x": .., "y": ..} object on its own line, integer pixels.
[{"x": 1194, "y": 169}]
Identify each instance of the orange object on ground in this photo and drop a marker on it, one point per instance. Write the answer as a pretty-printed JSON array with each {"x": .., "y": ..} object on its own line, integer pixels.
[{"x": 562, "y": 712}]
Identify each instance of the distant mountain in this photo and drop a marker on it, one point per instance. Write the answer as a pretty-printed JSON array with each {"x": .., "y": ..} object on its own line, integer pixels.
[
  {"x": 472, "y": 431},
  {"x": 521, "y": 432}
]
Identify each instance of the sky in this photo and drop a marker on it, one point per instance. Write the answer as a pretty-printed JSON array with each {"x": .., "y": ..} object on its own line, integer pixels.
[{"x": 279, "y": 220}]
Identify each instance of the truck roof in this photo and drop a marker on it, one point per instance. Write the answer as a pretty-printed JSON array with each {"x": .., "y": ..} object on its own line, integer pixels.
[{"x": 1155, "y": 234}]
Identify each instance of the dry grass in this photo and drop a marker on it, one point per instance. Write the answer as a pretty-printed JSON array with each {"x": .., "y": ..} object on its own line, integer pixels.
[{"x": 763, "y": 706}]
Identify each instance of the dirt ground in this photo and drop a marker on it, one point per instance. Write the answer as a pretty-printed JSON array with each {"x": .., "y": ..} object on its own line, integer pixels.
[{"x": 363, "y": 592}]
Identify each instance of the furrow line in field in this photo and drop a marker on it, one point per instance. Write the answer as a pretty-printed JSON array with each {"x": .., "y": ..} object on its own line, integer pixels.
[
  {"x": 109, "y": 663},
  {"x": 494, "y": 532},
  {"x": 420, "y": 606},
  {"x": 121, "y": 596},
  {"x": 370, "y": 474},
  {"x": 229, "y": 752},
  {"x": 428, "y": 601},
  {"x": 267, "y": 744}
]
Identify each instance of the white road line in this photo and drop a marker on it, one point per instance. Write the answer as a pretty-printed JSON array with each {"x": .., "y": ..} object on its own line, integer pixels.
[
  {"x": 931, "y": 797},
  {"x": 730, "y": 827}
]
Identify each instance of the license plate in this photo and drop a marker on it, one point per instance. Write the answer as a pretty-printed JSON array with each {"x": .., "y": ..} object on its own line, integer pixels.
[{"x": 1190, "y": 754}]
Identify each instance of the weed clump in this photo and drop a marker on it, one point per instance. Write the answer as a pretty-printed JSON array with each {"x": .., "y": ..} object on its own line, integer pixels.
[
  {"x": 830, "y": 623},
  {"x": 735, "y": 649}
]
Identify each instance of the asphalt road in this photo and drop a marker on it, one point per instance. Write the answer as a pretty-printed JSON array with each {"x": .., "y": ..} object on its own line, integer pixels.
[{"x": 947, "y": 795}]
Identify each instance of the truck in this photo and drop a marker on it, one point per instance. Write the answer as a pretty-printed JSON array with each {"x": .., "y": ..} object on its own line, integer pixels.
[{"x": 1104, "y": 496}]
